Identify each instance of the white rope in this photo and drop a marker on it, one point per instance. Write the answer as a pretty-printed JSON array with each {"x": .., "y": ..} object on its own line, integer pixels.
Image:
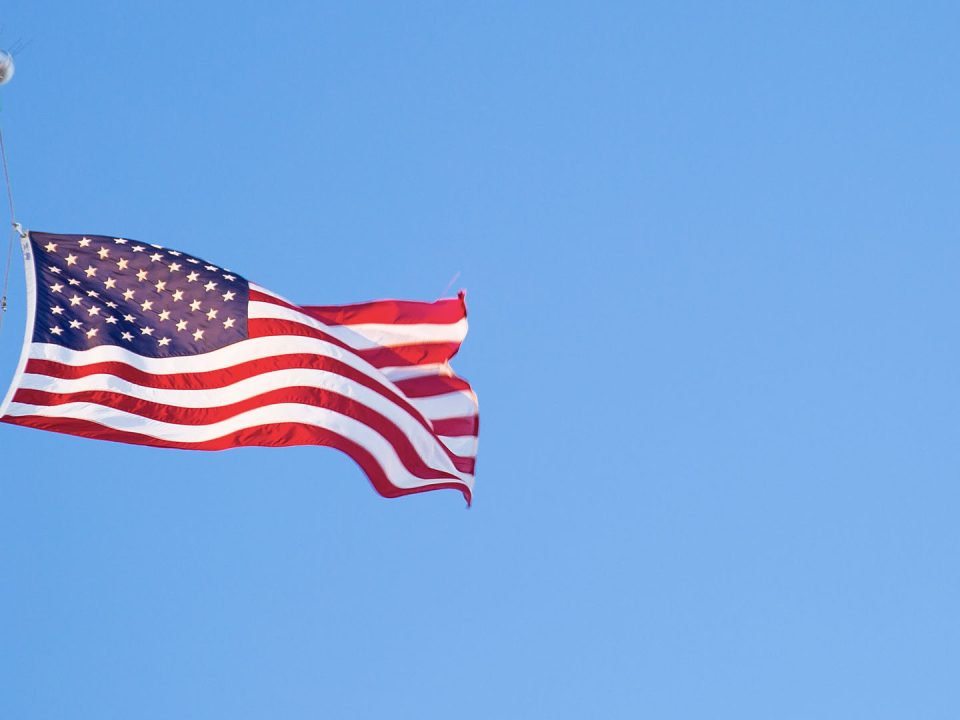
[{"x": 16, "y": 229}]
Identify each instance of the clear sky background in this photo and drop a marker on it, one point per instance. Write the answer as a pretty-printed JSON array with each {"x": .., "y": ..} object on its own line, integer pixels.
[{"x": 711, "y": 257}]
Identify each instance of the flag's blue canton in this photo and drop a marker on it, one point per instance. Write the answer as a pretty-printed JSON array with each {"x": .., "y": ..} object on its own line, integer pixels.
[{"x": 94, "y": 290}]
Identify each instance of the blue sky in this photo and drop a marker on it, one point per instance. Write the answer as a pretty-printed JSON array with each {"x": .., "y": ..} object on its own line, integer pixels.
[{"x": 711, "y": 261}]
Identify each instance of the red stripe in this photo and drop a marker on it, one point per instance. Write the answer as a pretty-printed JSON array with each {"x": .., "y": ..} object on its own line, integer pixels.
[
  {"x": 221, "y": 377},
  {"x": 389, "y": 312},
  {"x": 412, "y": 354},
  {"x": 430, "y": 385},
  {"x": 418, "y": 354},
  {"x": 228, "y": 376},
  {"x": 274, "y": 435},
  {"x": 457, "y": 427},
  {"x": 315, "y": 397}
]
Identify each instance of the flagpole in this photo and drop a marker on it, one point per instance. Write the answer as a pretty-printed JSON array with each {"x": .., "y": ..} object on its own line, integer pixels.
[
  {"x": 31, "y": 286},
  {"x": 6, "y": 72}
]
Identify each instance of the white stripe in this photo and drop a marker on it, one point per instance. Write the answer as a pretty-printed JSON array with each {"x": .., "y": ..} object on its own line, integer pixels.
[
  {"x": 423, "y": 441},
  {"x": 404, "y": 372},
  {"x": 366, "y": 336},
  {"x": 349, "y": 428},
  {"x": 459, "y": 404},
  {"x": 384, "y": 335},
  {"x": 252, "y": 349},
  {"x": 449, "y": 405},
  {"x": 465, "y": 446}
]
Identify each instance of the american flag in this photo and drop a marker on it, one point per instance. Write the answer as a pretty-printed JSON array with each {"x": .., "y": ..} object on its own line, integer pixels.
[{"x": 141, "y": 344}]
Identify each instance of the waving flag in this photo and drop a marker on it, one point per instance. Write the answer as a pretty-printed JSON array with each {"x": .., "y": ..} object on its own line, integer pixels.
[{"x": 142, "y": 344}]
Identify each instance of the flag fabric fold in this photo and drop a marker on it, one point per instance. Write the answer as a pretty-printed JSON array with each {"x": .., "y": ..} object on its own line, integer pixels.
[{"x": 146, "y": 345}]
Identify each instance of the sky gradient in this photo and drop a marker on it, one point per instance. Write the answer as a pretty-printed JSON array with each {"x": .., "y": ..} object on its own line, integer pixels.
[{"x": 710, "y": 257}]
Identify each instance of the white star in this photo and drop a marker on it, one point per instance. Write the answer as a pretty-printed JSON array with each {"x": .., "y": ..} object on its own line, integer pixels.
[
  {"x": 174, "y": 253},
  {"x": 193, "y": 260},
  {"x": 91, "y": 332},
  {"x": 146, "y": 305},
  {"x": 210, "y": 286},
  {"x": 128, "y": 294},
  {"x": 50, "y": 247},
  {"x": 126, "y": 336},
  {"x": 73, "y": 281},
  {"x": 75, "y": 324},
  {"x": 230, "y": 277},
  {"x": 110, "y": 283},
  {"x": 54, "y": 269},
  {"x": 122, "y": 264},
  {"x": 142, "y": 275},
  {"x": 111, "y": 304},
  {"x": 103, "y": 252},
  {"x": 174, "y": 267},
  {"x": 129, "y": 318},
  {"x": 195, "y": 305},
  {"x": 198, "y": 335},
  {"x": 192, "y": 277},
  {"x": 138, "y": 248},
  {"x": 165, "y": 315},
  {"x": 147, "y": 330},
  {"x": 163, "y": 341},
  {"x": 90, "y": 271},
  {"x": 57, "y": 310},
  {"x": 158, "y": 247},
  {"x": 211, "y": 268},
  {"x": 111, "y": 320},
  {"x": 94, "y": 310},
  {"x": 178, "y": 296},
  {"x": 160, "y": 286},
  {"x": 181, "y": 326},
  {"x": 211, "y": 314},
  {"x": 229, "y": 295},
  {"x": 84, "y": 242},
  {"x": 56, "y": 331},
  {"x": 120, "y": 241},
  {"x": 71, "y": 259},
  {"x": 56, "y": 287},
  {"x": 75, "y": 300},
  {"x": 156, "y": 257},
  {"x": 92, "y": 293},
  {"x": 228, "y": 323}
]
